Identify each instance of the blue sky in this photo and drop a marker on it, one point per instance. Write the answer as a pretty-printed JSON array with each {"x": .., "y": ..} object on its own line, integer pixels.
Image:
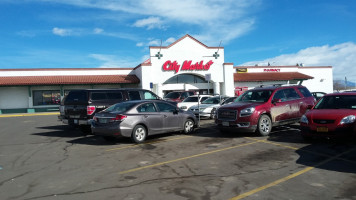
[{"x": 117, "y": 33}]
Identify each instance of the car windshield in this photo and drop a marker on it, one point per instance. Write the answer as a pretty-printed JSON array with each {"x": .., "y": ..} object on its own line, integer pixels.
[
  {"x": 337, "y": 102},
  {"x": 255, "y": 96},
  {"x": 120, "y": 107},
  {"x": 172, "y": 95},
  {"x": 191, "y": 99},
  {"x": 229, "y": 100},
  {"x": 213, "y": 100}
]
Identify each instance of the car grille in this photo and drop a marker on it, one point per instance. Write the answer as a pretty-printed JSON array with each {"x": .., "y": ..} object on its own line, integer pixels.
[
  {"x": 322, "y": 121},
  {"x": 227, "y": 114}
]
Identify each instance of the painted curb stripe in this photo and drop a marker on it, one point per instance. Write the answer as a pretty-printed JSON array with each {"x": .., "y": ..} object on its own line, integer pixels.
[{"x": 25, "y": 115}]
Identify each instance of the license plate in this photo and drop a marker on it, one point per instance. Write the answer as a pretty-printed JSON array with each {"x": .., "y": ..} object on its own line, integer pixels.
[
  {"x": 322, "y": 129},
  {"x": 225, "y": 123},
  {"x": 74, "y": 116},
  {"x": 75, "y": 121},
  {"x": 103, "y": 120}
]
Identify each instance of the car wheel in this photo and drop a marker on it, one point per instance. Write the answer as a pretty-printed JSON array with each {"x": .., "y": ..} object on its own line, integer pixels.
[
  {"x": 264, "y": 125},
  {"x": 188, "y": 126},
  {"x": 139, "y": 134},
  {"x": 212, "y": 114}
]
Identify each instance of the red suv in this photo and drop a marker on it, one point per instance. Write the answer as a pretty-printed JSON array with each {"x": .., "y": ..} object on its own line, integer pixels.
[{"x": 261, "y": 108}]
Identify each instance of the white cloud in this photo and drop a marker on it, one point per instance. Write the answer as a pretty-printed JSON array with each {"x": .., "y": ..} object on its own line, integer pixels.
[
  {"x": 169, "y": 41},
  {"x": 150, "y": 23},
  {"x": 62, "y": 31},
  {"x": 212, "y": 19},
  {"x": 112, "y": 61},
  {"x": 340, "y": 56},
  {"x": 98, "y": 31}
]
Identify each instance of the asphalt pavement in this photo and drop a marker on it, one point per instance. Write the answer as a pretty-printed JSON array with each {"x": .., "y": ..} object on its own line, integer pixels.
[{"x": 41, "y": 158}]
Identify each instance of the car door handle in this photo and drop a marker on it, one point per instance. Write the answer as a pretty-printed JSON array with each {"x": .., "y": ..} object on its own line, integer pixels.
[
  {"x": 145, "y": 116},
  {"x": 165, "y": 116}
]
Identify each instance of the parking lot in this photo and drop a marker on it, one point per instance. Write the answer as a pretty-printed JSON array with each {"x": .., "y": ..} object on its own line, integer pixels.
[{"x": 41, "y": 158}]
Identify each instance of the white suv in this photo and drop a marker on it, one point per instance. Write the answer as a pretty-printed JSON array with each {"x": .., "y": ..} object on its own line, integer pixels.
[{"x": 191, "y": 101}]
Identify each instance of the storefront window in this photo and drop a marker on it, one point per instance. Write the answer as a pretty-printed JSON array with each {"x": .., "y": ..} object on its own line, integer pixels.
[
  {"x": 46, "y": 97},
  {"x": 185, "y": 78}
]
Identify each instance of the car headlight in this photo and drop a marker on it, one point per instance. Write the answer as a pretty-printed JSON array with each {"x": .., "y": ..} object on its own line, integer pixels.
[
  {"x": 304, "y": 119},
  {"x": 348, "y": 119},
  {"x": 247, "y": 112}
]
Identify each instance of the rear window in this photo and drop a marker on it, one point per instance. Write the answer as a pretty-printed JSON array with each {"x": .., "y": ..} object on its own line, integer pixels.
[
  {"x": 134, "y": 95},
  {"x": 107, "y": 95},
  {"x": 114, "y": 95},
  {"x": 95, "y": 96},
  {"x": 121, "y": 107},
  {"x": 149, "y": 95},
  {"x": 77, "y": 97},
  {"x": 305, "y": 92}
]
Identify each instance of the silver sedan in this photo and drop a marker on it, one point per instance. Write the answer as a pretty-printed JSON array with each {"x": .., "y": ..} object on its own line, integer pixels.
[{"x": 139, "y": 119}]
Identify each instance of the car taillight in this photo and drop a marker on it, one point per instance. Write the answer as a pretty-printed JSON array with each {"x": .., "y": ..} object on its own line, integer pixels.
[
  {"x": 90, "y": 110},
  {"x": 119, "y": 118}
]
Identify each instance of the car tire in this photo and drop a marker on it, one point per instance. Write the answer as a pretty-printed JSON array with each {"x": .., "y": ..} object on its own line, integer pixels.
[
  {"x": 212, "y": 113},
  {"x": 264, "y": 125},
  {"x": 139, "y": 134},
  {"x": 188, "y": 126}
]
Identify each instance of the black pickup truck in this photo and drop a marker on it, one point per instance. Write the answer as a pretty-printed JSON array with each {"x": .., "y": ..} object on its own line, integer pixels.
[{"x": 79, "y": 106}]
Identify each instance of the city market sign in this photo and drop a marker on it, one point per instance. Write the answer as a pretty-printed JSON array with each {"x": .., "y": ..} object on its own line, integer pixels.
[{"x": 186, "y": 66}]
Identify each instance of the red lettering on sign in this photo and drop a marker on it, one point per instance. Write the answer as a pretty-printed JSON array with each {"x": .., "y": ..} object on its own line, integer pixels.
[
  {"x": 171, "y": 66},
  {"x": 271, "y": 70},
  {"x": 187, "y": 66}
]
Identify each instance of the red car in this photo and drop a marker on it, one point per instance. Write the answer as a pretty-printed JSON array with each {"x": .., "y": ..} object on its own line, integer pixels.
[
  {"x": 260, "y": 109},
  {"x": 334, "y": 115}
]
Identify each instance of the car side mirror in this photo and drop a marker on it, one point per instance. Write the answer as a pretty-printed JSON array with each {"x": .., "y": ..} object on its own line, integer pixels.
[
  {"x": 175, "y": 111},
  {"x": 274, "y": 101}
]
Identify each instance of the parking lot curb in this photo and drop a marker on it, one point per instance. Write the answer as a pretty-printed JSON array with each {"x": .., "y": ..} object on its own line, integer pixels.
[{"x": 28, "y": 114}]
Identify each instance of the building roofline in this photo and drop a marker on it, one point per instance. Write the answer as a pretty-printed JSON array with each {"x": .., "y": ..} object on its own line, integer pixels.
[
  {"x": 180, "y": 39},
  {"x": 65, "y": 69},
  {"x": 284, "y": 66}
]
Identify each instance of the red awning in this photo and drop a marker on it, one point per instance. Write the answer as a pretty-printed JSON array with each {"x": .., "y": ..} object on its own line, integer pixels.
[
  {"x": 270, "y": 76},
  {"x": 68, "y": 80}
]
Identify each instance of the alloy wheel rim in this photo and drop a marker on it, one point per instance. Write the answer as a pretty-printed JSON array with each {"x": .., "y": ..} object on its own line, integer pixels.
[
  {"x": 265, "y": 125},
  {"x": 188, "y": 126},
  {"x": 139, "y": 134}
]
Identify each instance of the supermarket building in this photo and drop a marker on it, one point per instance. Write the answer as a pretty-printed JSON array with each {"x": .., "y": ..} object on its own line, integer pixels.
[{"x": 185, "y": 65}]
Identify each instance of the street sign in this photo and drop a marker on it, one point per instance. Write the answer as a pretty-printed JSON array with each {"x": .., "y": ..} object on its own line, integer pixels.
[{"x": 207, "y": 77}]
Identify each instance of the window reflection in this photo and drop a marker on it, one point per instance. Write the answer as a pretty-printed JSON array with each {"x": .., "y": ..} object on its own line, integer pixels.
[
  {"x": 46, "y": 97},
  {"x": 185, "y": 78}
]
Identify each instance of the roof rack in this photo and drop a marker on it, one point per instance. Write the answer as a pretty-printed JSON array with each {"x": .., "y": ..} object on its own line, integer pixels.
[{"x": 274, "y": 85}]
